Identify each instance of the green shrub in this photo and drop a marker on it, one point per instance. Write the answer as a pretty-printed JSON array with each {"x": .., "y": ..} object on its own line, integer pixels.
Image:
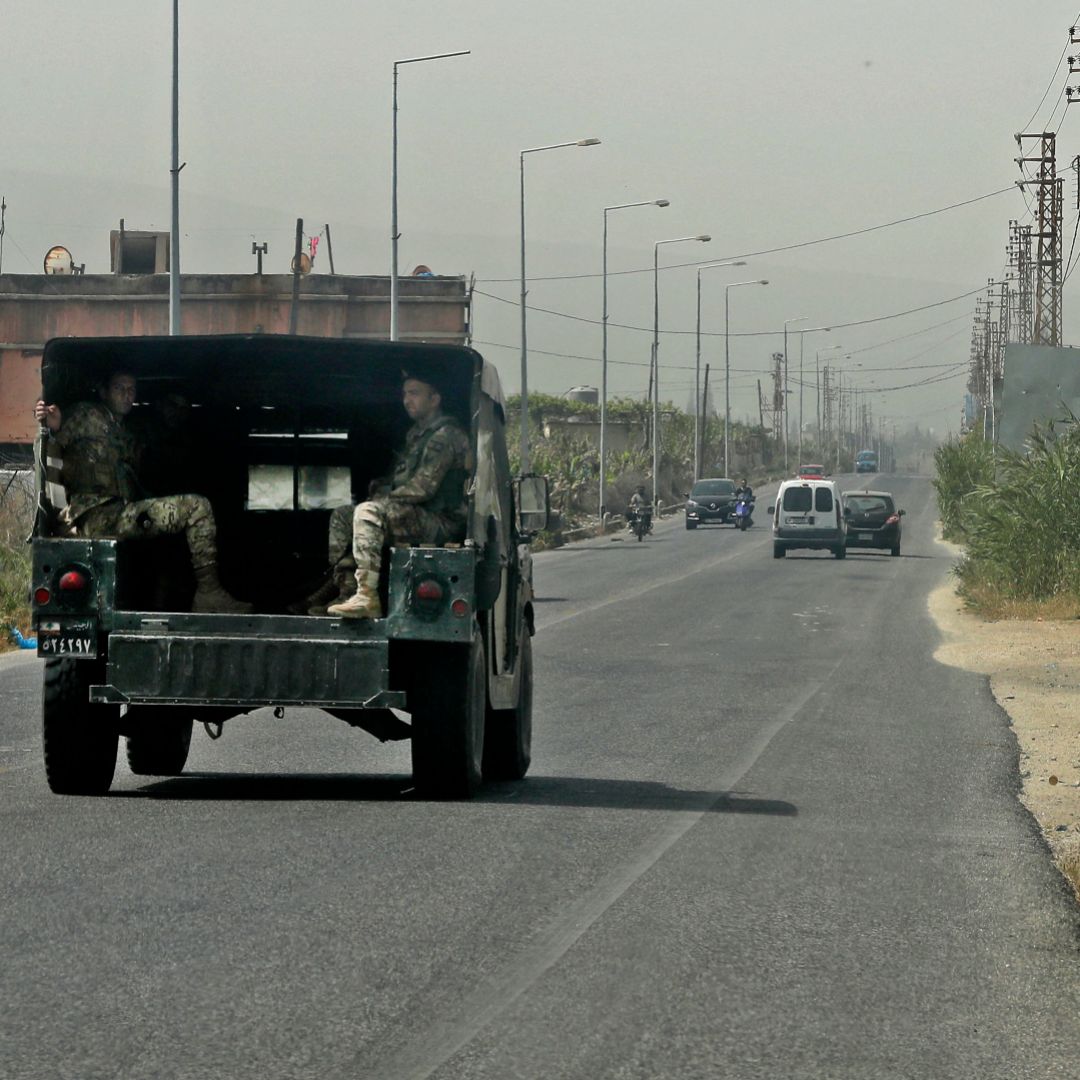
[
  {"x": 1021, "y": 529},
  {"x": 963, "y": 466}
]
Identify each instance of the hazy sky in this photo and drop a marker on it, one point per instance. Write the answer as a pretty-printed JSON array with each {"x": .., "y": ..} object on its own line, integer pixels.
[{"x": 765, "y": 124}]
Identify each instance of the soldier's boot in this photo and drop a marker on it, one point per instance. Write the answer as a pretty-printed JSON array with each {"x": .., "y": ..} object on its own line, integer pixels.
[
  {"x": 364, "y": 603},
  {"x": 211, "y": 597},
  {"x": 315, "y": 604},
  {"x": 335, "y": 590}
]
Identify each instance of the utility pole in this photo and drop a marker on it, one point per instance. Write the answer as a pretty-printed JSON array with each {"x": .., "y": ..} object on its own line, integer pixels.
[
  {"x": 3, "y": 212},
  {"x": 1048, "y": 277}
]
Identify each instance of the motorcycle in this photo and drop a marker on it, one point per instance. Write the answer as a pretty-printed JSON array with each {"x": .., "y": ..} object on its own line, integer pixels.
[
  {"x": 744, "y": 510},
  {"x": 639, "y": 522}
]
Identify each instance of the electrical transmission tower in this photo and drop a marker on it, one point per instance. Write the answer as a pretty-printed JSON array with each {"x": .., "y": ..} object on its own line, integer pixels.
[
  {"x": 1019, "y": 277},
  {"x": 1047, "y": 316}
]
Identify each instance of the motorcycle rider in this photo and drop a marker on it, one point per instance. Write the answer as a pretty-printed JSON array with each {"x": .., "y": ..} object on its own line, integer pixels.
[
  {"x": 639, "y": 504},
  {"x": 744, "y": 491}
]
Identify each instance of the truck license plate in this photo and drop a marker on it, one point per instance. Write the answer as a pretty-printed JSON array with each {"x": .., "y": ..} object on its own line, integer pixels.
[{"x": 70, "y": 638}]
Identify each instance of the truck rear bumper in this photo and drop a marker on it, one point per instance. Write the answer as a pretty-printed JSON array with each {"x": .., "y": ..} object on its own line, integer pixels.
[{"x": 177, "y": 659}]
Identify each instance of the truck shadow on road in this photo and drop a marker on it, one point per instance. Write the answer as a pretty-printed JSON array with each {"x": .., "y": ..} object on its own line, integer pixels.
[
  {"x": 584, "y": 792},
  {"x": 630, "y": 795}
]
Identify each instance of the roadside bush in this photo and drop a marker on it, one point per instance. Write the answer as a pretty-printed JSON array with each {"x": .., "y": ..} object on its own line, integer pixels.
[
  {"x": 1021, "y": 528},
  {"x": 962, "y": 466},
  {"x": 16, "y": 519}
]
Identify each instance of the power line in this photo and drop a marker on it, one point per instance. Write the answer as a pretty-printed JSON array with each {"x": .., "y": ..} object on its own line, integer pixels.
[
  {"x": 740, "y": 334},
  {"x": 764, "y": 251}
]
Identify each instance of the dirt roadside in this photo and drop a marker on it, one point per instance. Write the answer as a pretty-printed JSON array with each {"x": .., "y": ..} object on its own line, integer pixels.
[{"x": 1034, "y": 669}]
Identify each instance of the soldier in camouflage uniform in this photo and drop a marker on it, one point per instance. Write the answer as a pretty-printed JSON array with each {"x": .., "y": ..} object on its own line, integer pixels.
[
  {"x": 103, "y": 494},
  {"x": 422, "y": 502}
]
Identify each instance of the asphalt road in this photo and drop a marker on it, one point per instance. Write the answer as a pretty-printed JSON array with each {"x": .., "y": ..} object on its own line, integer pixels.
[{"x": 765, "y": 835}]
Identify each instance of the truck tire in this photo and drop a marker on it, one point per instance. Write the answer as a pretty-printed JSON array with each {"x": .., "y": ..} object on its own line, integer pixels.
[
  {"x": 79, "y": 740},
  {"x": 159, "y": 742},
  {"x": 508, "y": 732},
  {"x": 778, "y": 550},
  {"x": 447, "y": 701}
]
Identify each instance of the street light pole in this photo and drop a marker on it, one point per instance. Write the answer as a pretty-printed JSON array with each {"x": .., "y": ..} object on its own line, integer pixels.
[
  {"x": 697, "y": 367},
  {"x": 787, "y": 322},
  {"x": 604, "y": 363},
  {"x": 174, "y": 173},
  {"x": 394, "y": 234},
  {"x": 524, "y": 464},
  {"x": 704, "y": 238},
  {"x": 727, "y": 366}
]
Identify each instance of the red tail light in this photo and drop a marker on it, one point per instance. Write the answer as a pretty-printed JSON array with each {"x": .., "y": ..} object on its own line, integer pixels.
[
  {"x": 460, "y": 608},
  {"x": 72, "y": 581},
  {"x": 42, "y": 597},
  {"x": 892, "y": 519},
  {"x": 429, "y": 590}
]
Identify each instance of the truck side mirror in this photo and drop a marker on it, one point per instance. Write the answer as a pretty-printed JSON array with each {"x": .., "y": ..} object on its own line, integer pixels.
[{"x": 532, "y": 504}]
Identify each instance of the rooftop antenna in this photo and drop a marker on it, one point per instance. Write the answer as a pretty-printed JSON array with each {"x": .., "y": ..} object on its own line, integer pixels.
[{"x": 3, "y": 211}]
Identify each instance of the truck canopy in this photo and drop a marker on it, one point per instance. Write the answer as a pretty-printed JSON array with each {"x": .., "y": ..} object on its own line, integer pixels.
[{"x": 282, "y": 429}]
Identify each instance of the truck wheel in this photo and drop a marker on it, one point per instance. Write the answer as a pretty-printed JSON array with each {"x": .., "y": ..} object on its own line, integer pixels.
[
  {"x": 778, "y": 550},
  {"x": 447, "y": 702},
  {"x": 159, "y": 742},
  {"x": 508, "y": 732},
  {"x": 79, "y": 739}
]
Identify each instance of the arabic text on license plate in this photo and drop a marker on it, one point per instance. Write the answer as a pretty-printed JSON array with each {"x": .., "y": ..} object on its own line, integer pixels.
[{"x": 67, "y": 646}]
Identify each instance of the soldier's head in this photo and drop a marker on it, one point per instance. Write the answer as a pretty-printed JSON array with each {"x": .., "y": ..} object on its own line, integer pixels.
[
  {"x": 117, "y": 391},
  {"x": 421, "y": 399}
]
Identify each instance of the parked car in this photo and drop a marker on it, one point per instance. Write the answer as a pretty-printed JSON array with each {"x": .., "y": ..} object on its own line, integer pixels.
[
  {"x": 873, "y": 520},
  {"x": 811, "y": 472},
  {"x": 808, "y": 514},
  {"x": 710, "y": 501}
]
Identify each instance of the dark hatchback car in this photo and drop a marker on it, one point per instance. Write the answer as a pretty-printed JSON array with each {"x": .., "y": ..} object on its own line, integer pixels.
[
  {"x": 710, "y": 501},
  {"x": 872, "y": 520}
]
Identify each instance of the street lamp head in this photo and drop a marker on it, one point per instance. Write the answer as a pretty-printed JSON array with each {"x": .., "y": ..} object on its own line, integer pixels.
[
  {"x": 704, "y": 238},
  {"x": 662, "y": 202},
  {"x": 588, "y": 142},
  {"x": 764, "y": 281}
]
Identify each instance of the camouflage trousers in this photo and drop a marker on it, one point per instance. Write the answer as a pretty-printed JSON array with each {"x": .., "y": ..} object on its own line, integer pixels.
[
  {"x": 166, "y": 516},
  {"x": 358, "y": 536}
]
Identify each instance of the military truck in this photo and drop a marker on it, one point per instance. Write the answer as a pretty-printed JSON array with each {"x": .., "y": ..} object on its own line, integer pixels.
[{"x": 280, "y": 431}]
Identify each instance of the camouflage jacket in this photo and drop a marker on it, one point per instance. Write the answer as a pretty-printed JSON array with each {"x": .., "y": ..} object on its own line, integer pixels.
[
  {"x": 432, "y": 469},
  {"x": 100, "y": 459}
]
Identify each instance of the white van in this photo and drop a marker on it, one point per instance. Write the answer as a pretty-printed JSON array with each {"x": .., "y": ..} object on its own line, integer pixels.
[{"x": 808, "y": 514}]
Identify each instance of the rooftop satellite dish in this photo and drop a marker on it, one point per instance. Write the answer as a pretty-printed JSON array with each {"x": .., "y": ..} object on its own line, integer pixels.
[
  {"x": 304, "y": 266},
  {"x": 58, "y": 260}
]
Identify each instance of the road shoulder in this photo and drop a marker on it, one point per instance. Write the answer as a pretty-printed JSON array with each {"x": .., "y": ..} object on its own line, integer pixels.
[{"x": 1034, "y": 670}]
